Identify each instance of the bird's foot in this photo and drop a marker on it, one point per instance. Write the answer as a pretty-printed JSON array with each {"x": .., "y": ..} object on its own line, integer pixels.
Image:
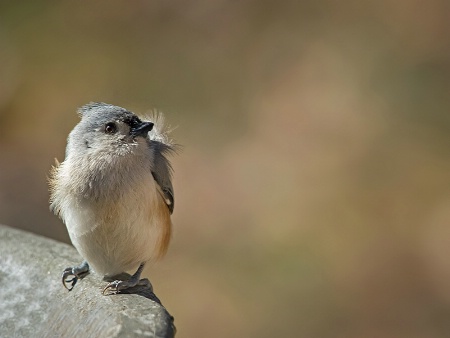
[
  {"x": 71, "y": 275},
  {"x": 117, "y": 286}
]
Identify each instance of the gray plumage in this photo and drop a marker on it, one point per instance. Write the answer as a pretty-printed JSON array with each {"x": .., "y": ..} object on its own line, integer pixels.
[
  {"x": 114, "y": 189},
  {"x": 94, "y": 115}
]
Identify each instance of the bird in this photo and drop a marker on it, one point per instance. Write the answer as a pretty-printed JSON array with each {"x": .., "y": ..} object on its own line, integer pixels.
[{"x": 114, "y": 193}]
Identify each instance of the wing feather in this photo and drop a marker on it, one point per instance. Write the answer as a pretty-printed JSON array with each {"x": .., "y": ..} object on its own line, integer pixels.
[{"x": 162, "y": 172}]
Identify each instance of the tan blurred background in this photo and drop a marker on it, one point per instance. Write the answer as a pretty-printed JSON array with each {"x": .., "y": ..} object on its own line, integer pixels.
[{"x": 313, "y": 191}]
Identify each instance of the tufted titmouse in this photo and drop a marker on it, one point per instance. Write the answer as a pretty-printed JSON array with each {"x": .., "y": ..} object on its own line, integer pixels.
[{"x": 114, "y": 193}]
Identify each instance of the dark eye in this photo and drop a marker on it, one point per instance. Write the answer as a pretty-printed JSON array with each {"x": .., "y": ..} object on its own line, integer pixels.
[{"x": 110, "y": 128}]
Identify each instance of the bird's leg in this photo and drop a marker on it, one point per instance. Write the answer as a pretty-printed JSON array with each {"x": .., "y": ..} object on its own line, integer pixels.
[
  {"x": 118, "y": 285},
  {"x": 78, "y": 272}
]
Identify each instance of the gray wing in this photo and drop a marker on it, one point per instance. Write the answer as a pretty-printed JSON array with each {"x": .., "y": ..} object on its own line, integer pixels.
[{"x": 162, "y": 171}]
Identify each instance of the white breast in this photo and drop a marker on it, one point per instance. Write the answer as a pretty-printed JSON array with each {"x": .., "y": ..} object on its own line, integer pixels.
[{"x": 117, "y": 234}]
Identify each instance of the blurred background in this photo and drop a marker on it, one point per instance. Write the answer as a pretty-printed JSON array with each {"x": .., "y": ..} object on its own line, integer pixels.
[{"x": 313, "y": 188}]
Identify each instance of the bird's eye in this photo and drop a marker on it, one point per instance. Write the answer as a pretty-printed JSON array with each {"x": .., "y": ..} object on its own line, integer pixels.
[{"x": 110, "y": 128}]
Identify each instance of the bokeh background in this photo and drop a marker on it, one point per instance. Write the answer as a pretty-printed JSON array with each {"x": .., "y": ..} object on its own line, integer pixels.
[{"x": 313, "y": 188}]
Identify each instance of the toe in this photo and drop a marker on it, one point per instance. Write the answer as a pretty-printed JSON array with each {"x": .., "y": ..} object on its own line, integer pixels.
[
  {"x": 111, "y": 288},
  {"x": 67, "y": 273}
]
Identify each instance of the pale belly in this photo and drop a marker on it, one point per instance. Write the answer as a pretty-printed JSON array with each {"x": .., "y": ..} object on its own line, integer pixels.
[{"x": 118, "y": 235}]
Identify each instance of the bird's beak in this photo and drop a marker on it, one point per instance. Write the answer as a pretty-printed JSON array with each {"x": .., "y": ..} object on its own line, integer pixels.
[{"x": 141, "y": 129}]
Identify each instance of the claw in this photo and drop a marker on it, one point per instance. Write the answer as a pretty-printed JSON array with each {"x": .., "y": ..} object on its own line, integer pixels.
[
  {"x": 66, "y": 273},
  {"x": 77, "y": 272},
  {"x": 117, "y": 286},
  {"x": 114, "y": 286}
]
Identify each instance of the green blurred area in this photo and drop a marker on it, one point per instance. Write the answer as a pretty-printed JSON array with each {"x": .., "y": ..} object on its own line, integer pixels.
[{"x": 312, "y": 192}]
